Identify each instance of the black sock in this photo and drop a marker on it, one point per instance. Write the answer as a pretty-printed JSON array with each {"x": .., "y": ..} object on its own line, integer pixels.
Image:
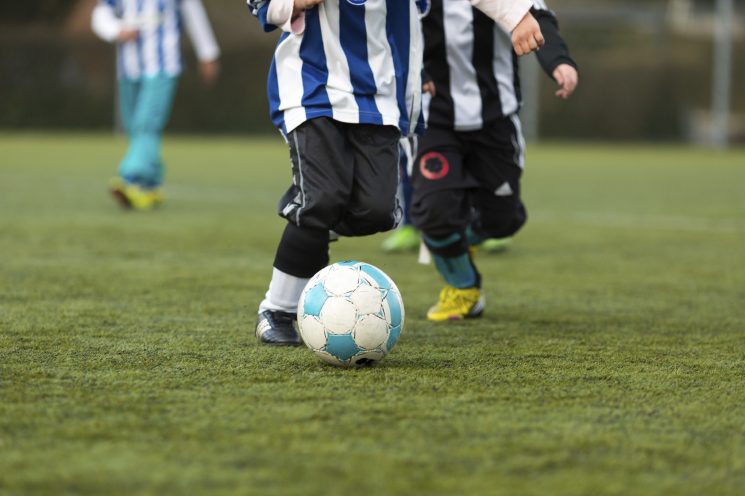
[{"x": 302, "y": 251}]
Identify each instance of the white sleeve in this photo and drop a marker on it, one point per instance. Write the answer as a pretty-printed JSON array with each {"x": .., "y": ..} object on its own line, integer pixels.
[
  {"x": 200, "y": 32},
  {"x": 507, "y": 13},
  {"x": 105, "y": 23},
  {"x": 279, "y": 13}
]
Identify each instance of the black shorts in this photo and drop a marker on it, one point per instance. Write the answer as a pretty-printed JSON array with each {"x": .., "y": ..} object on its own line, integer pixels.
[
  {"x": 469, "y": 178},
  {"x": 345, "y": 177}
]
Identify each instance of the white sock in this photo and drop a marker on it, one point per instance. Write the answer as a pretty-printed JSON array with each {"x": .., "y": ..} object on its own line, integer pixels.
[{"x": 284, "y": 292}]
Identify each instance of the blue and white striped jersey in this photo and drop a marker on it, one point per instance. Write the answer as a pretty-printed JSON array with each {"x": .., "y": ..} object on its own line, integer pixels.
[
  {"x": 357, "y": 61},
  {"x": 157, "y": 50}
]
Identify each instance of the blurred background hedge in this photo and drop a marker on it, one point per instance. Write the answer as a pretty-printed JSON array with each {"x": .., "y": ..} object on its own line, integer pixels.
[{"x": 645, "y": 74}]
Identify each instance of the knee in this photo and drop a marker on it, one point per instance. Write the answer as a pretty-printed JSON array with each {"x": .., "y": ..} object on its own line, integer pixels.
[
  {"x": 501, "y": 223},
  {"x": 327, "y": 210},
  {"x": 383, "y": 216},
  {"x": 369, "y": 219},
  {"x": 439, "y": 214}
]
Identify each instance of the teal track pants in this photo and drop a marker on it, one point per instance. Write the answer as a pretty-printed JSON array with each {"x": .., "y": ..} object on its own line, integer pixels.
[{"x": 145, "y": 108}]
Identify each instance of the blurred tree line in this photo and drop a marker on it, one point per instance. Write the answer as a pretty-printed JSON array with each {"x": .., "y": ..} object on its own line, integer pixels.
[{"x": 641, "y": 78}]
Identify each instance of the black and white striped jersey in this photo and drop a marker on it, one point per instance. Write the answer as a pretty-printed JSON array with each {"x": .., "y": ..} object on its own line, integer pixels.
[{"x": 473, "y": 66}]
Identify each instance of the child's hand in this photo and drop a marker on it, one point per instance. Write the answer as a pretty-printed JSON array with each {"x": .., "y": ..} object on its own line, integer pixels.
[
  {"x": 429, "y": 87},
  {"x": 527, "y": 36},
  {"x": 209, "y": 71},
  {"x": 567, "y": 77},
  {"x": 301, "y": 5},
  {"x": 126, "y": 35}
]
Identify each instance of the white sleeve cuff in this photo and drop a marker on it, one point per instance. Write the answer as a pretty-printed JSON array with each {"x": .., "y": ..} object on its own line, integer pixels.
[
  {"x": 507, "y": 13},
  {"x": 105, "y": 23},
  {"x": 279, "y": 13}
]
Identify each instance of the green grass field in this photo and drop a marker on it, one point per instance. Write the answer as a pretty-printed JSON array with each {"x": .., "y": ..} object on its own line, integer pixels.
[{"x": 611, "y": 359}]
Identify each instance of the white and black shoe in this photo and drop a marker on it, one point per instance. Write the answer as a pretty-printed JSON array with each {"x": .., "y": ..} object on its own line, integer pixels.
[{"x": 277, "y": 328}]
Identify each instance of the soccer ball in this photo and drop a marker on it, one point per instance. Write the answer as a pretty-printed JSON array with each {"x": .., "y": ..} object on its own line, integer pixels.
[{"x": 350, "y": 313}]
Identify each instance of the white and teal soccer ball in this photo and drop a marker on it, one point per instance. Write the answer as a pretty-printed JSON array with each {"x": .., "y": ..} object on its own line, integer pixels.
[{"x": 350, "y": 313}]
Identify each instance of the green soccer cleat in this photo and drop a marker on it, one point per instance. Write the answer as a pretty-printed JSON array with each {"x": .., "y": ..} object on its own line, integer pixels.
[
  {"x": 496, "y": 245},
  {"x": 403, "y": 239}
]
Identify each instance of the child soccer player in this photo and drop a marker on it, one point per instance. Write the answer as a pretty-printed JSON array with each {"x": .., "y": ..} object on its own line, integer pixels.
[
  {"x": 344, "y": 85},
  {"x": 466, "y": 177},
  {"x": 147, "y": 34}
]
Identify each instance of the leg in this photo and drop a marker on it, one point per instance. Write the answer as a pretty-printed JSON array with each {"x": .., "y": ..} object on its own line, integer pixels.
[
  {"x": 441, "y": 209},
  {"x": 322, "y": 181},
  {"x": 496, "y": 161},
  {"x": 373, "y": 205},
  {"x": 301, "y": 253},
  {"x": 322, "y": 175},
  {"x": 129, "y": 91},
  {"x": 145, "y": 122}
]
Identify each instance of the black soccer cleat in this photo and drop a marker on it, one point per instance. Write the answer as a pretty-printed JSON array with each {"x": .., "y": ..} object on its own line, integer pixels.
[{"x": 277, "y": 328}]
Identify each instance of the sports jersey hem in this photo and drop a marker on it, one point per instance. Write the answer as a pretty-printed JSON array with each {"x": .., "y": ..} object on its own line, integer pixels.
[
  {"x": 361, "y": 117},
  {"x": 466, "y": 128},
  {"x": 155, "y": 75}
]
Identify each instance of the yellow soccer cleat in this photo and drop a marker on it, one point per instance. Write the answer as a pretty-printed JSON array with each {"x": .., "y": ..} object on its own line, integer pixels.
[
  {"x": 457, "y": 304},
  {"x": 159, "y": 196},
  {"x": 139, "y": 197},
  {"x": 133, "y": 196},
  {"x": 116, "y": 188}
]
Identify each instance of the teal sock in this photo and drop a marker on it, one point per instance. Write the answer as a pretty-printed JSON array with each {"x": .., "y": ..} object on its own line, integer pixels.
[
  {"x": 459, "y": 272},
  {"x": 473, "y": 238},
  {"x": 453, "y": 261}
]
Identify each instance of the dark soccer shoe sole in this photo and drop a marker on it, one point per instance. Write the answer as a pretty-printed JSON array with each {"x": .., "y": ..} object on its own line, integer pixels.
[{"x": 121, "y": 198}]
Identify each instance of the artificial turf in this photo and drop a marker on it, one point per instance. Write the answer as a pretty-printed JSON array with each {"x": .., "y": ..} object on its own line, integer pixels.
[{"x": 610, "y": 360}]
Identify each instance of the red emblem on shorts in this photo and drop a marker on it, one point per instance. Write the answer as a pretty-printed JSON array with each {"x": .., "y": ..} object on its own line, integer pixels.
[{"x": 434, "y": 165}]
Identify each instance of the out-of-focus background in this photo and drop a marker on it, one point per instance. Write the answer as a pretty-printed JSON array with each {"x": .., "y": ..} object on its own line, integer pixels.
[{"x": 651, "y": 70}]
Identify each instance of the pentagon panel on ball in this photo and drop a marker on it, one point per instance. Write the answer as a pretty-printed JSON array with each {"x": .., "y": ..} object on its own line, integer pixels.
[{"x": 350, "y": 313}]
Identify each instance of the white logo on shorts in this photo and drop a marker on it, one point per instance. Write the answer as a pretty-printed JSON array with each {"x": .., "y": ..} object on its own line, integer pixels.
[{"x": 504, "y": 190}]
